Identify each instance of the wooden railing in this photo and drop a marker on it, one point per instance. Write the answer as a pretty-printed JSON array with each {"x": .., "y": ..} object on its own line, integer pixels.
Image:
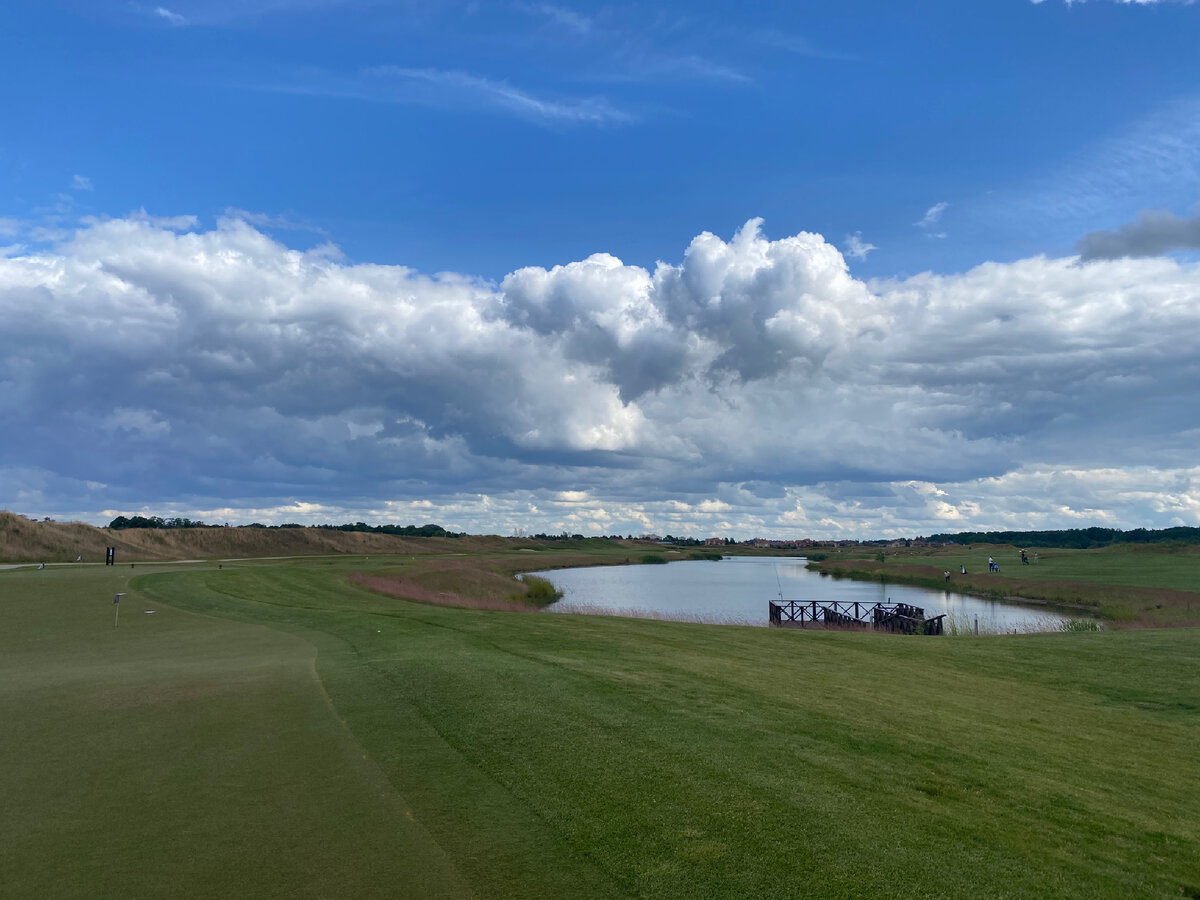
[{"x": 895, "y": 617}]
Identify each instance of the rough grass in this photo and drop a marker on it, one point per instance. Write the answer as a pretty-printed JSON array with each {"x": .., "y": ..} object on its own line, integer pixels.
[
  {"x": 578, "y": 756},
  {"x": 408, "y": 588},
  {"x": 24, "y": 541}
]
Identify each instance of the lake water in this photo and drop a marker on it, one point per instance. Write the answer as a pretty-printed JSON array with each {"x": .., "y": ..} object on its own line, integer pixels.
[{"x": 738, "y": 588}]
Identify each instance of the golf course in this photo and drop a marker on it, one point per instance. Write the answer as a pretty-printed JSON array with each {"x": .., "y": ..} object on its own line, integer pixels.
[{"x": 287, "y": 728}]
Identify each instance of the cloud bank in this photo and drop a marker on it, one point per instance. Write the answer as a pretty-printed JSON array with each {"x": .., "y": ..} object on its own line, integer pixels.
[{"x": 755, "y": 386}]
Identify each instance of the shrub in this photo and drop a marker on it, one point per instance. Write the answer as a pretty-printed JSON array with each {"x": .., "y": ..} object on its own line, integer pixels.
[
  {"x": 654, "y": 559},
  {"x": 540, "y": 591},
  {"x": 1079, "y": 625}
]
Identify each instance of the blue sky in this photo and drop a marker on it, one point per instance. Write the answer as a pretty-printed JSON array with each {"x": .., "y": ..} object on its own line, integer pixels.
[{"x": 925, "y": 173}]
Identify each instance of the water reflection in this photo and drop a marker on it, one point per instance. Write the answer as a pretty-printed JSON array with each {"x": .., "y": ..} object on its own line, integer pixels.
[{"x": 737, "y": 590}]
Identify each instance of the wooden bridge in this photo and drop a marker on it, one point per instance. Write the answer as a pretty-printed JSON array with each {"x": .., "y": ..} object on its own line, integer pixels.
[{"x": 899, "y": 618}]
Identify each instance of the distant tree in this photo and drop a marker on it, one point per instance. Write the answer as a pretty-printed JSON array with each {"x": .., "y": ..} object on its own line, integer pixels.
[{"x": 1073, "y": 538}]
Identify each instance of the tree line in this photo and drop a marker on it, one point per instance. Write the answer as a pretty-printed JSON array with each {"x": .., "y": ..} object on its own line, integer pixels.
[
  {"x": 431, "y": 530},
  {"x": 1072, "y": 538}
]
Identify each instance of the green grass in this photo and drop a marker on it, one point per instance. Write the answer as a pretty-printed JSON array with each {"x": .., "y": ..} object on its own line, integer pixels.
[
  {"x": 562, "y": 756},
  {"x": 181, "y": 755},
  {"x": 1150, "y": 566},
  {"x": 1123, "y": 584}
]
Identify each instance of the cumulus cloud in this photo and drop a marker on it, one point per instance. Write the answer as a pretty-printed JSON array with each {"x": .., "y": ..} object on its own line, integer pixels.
[
  {"x": 754, "y": 383},
  {"x": 81, "y": 183},
  {"x": 1154, "y": 233}
]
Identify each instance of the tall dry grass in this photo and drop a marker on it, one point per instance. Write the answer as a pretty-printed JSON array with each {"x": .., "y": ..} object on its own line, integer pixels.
[
  {"x": 406, "y": 588},
  {"x": 22, "y": 540}
]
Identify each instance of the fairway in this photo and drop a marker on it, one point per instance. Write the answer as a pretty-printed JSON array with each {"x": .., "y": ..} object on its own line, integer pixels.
[
  {"x": 275, "y": 730},
  {"x": 182, "y": 755}
]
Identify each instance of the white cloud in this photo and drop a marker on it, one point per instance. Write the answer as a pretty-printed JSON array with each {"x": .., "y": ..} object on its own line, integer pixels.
[
  {"x": 81, "y": 183},
  {"x": 272, "y": 220},
  {"x": 559, "y": 15},
  {"x": 644, "y": 64},
  {"x": 451, "y": 89},
  {"x": 502, "y": 95},
  {"x": 857, "y": 247},
  {"x": 171, "y": 223},
  {"x": 172, "y": 18},
  {"x": 932, "y": 216},
  {"x": 754, "y": 383}
]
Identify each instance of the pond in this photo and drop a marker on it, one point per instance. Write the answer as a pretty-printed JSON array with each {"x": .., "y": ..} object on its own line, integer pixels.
[{"x": 736, "y": 590}]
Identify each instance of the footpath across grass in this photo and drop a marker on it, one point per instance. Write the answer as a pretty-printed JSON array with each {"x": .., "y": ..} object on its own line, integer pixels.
[{"x": 534, "y": 755}]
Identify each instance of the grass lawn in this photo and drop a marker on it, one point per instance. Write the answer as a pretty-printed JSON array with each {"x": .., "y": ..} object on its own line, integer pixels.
[
  {"x": 1141, "y": 565},
  {"x": 487, "y": 754},
  {"x": 1146, "y": 585},
  {"x": 183, "y": 756}
]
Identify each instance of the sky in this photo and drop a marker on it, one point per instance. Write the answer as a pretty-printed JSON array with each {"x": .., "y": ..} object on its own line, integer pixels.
[{"x": 854, "y": 270}]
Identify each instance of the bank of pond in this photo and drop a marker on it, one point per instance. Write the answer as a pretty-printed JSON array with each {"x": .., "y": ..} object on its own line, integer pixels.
[{"x": 739, "y": 589}]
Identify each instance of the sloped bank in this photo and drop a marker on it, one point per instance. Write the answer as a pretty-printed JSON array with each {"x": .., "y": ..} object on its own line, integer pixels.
[{"x": 1118, "y": 605}]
